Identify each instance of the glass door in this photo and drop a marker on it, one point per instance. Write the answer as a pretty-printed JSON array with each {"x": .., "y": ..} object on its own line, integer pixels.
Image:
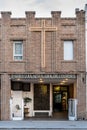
[
  {"x": 60, "y": 98},
  {"x": 57, "y": 100}
]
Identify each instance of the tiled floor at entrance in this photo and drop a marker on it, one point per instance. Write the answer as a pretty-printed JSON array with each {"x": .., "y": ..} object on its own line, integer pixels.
[
  {"x": 56, "y": 116},
  {"x": 60, "y": 115}
]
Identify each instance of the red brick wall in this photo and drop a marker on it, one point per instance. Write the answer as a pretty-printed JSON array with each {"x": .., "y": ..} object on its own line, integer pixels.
[{"x": 19, "y": 29}]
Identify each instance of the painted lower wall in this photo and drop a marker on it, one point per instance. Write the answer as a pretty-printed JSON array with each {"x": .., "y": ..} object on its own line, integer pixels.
[{"x": 17, "y": 97}]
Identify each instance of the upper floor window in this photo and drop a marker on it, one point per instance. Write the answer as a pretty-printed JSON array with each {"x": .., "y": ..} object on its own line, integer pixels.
[
  {"x": 68, "y": 50},
  {"x": 18, "y": 50}
]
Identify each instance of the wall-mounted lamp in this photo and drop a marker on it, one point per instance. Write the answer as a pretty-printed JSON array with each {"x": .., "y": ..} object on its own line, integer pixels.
[{"x": 41, "y": 81}]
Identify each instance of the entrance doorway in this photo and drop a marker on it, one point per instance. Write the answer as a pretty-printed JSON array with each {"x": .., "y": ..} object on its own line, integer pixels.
[
  {"x": 61, "y": 95},
  {"x": 60, "y": 102},
  {"x": 60, "y": 98}
]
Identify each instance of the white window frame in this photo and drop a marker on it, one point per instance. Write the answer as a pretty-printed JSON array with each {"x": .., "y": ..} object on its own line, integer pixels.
[
  {"x": 68, "y": 52},
  {"x": 17, "y": 55}
]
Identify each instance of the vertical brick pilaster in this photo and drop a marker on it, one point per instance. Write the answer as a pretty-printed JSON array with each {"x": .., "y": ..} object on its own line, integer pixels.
[
  {"x": 5, "y": 96},
  {"x": 81, "y": 96},
  {"x": 56, "y": 21},
  {"x": 30, "y": 14},
  {"x": 56, "y": 14},
  {"x": 30, "y": 17},
  {"x": 80, "y": 29},
  {"x": 30, "y": 21},
  {"x": 5, "y": 40}
]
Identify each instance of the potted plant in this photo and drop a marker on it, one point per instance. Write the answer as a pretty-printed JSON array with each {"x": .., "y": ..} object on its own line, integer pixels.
[{"x": 27, "y": 100}]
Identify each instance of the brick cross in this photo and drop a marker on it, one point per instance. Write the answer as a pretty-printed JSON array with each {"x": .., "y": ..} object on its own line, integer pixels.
[{"x": 43, "y": 29}]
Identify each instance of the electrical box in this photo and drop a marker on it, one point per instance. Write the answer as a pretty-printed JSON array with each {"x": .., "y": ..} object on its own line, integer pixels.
[{"x": 72, "y": 110}]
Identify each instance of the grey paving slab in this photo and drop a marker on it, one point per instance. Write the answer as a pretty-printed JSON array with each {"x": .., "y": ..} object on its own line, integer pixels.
[
  {"x": 43, "y": 124},
  {"x": 43, "y": 129}
]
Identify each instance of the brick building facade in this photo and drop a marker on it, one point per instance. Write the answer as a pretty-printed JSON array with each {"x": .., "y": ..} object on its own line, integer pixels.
[{"x": 43, "y": 59}]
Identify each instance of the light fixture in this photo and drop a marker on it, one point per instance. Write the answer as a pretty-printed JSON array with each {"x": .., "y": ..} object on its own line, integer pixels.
[
  {"x": 66, "y": 79},
  {"x": 41, "y": 81},
  {"x": 18, "y": 79},
  {"x": 61, "y": 83}
]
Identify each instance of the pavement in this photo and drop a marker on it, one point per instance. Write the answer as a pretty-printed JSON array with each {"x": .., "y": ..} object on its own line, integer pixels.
[{"x": 41, "y": 124}]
